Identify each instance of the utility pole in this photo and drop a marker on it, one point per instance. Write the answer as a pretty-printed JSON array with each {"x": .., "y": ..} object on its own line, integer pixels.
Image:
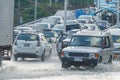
[
  {"x": 65, "y": 13},
  {"x": 50, "y": 2},
  {"x": 118, "y": 16},
  {"x": 99, "y": 4},
  {"x": 35, "y": 10},
  {"x": 18, "y": 17}
]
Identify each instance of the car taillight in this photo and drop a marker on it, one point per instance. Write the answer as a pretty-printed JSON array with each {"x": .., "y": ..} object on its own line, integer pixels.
[{"x": 62, "y": 54}]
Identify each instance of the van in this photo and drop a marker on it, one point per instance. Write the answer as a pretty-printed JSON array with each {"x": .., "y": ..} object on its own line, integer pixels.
[{"x": 88, "y": 48}]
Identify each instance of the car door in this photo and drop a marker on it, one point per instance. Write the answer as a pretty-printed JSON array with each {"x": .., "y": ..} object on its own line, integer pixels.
[
  {"x": 107, "y": 51},
  {"x": 45, "y": 45}
]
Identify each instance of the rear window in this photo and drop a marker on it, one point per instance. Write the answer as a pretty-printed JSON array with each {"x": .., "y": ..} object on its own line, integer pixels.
[
  {"x": 74, "y": 26},
  {"x": 28, "y": 37}
]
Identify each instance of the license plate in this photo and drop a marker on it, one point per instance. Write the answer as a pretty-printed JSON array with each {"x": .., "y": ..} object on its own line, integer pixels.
[
  {"x": 78, "y": 59},
  {"x": 26, "y": 45}
]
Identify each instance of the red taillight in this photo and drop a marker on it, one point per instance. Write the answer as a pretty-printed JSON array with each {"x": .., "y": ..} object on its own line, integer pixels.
[{"x": 62, "y": 54}]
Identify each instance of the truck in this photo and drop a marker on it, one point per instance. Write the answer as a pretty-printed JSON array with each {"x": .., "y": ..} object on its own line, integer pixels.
[{"x": 6, "y": 28}]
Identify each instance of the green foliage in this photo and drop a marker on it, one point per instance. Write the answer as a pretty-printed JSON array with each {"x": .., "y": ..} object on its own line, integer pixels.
[{"x": 26, "y": 8}]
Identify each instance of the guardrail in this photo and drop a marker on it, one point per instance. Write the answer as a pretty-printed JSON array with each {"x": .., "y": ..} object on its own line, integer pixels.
[{"x": 32, "y": 22}]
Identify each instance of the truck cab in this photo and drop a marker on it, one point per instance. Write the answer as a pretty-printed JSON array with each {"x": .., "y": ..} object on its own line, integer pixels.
[{"x": 88, "y": 48}]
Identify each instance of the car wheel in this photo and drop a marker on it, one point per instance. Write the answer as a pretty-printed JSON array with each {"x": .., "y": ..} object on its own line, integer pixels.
[
  {"x": 23, "y": 58},
  {"x": 65, "y": 66},
  {"x": 100, "y": 60},
  {"x": 43, "y": 57},
  {"x": 110, "y": 60},
  {"x": 15, "y": 57},
  {"x": 50, "y": 52},
  {"x": 93, "y": 65}
]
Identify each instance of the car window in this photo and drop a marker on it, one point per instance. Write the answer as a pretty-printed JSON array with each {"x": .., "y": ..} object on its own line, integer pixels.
[
  {"x": 62, "y": 37},
  {"x": 74, "y": 26},
  {"x": 43, "y": 38},
  {"x": 93, "y": 41},
  {"x": 116, "y": 38},
  {"x": 106, "y": 42},
  {"x": 30, "y": 37}
]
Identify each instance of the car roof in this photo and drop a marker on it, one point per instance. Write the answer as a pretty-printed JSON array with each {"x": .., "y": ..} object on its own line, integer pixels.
[
  {"x": 31, "y": 33},
  {"x": 91, "y": 33},
  {"x": 23, "y": 28}
]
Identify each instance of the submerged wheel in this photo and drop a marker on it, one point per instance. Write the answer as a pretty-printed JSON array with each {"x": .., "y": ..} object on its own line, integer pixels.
[
  {"x": 65, "y": 66},
  {"x": 110, "y": 60},
  {"x": 23, "y": 58},
  {"x": 43, "y": 57},
  {"x": 15, "y": 57},
  {"x": 100, "y": 60}
]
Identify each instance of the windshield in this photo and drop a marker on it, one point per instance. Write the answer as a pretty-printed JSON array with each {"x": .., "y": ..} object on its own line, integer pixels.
[
  {"x": 49, "y": 34},
  {"x": 116, "y": 39},
  {"x": 82, "y": 21},
  {"x": 86, "y": 17},
  {"x": 86, "y": 41},
  {"x": 74, "y": 26},
  {"x": 28, "y": 37},
  {"x": 45, "y": 26},
  {"x": 101, "y": 23},
  {"x": 70, "y": 33}
]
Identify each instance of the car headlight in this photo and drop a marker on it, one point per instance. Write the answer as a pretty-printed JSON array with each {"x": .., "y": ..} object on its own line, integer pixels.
[{"x": 94, "y": 55}]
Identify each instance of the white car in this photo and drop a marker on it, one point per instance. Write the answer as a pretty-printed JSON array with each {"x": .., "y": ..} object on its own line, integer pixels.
[
  {"x": 31, "y": 45},
  {"x": 83, "y": 21},
  {"x": 22, "y": 29},
  {"x": 70, "y": 24},
  {"x": 91, "y": 27},
  {"x": 59, "y": 28},
  {"x": 103, "y": 24},
  {"x": 90, "y": 18},
  {"x": 40, "y": 27},
  {"x": 58, "y": 18}
]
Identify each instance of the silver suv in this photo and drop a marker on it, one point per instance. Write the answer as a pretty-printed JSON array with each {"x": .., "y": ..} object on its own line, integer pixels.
[
  {"x": 88, "y": 48},
  {"x": 31, "y": 45}
]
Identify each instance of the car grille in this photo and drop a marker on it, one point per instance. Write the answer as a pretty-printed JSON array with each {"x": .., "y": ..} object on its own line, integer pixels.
[{"x": 79, "y": 54}]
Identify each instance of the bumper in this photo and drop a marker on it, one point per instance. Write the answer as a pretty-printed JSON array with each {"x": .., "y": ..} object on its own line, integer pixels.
[
  {"x": 82, "y": 62},
  {"x": 30, "y": 53},
  {"x": 26, "y": 55}
]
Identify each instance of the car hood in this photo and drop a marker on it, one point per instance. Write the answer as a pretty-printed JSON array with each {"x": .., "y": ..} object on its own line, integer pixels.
[
  {"x": 116, "y": 45},
  {"x": 82, "y": 49}
]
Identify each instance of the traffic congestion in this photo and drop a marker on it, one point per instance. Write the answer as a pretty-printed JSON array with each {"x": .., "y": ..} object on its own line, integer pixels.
[{"x": 80, "y": 48}]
